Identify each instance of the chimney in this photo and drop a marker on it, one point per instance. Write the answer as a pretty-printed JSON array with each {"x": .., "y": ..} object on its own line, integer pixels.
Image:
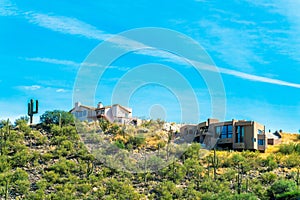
[
  {"x": 212, "y": 121},
  {"x": 100, "y": 105},
  {"x": 77, "y": 104}
]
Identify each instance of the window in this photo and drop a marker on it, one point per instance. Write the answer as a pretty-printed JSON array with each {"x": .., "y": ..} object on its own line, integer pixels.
[
  {"x": 78, "y": 114},
  {"x": 259, "y": 131},
  {"x": 84, "y": 113},
  {"x": 218, "y": 130},
  {"x": 224, "y": 131},
  {"x": 261, "y": 142},
  {"x": 240, "y": 132},
  {"x": 229, "y": 130}
]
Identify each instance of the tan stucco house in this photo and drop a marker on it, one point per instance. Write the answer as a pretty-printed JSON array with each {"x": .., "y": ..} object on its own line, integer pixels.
[{"x": 234, "y": 134}]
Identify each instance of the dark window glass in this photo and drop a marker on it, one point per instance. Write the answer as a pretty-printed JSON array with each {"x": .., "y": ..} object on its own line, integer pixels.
[
  {"x": 240, "y": 132},
  {"x": 261, "y": 142}
]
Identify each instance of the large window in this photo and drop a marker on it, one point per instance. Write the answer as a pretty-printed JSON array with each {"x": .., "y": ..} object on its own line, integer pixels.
[
  {"x": 261, "y": 142},
  {"x": 224, "y": 131},
  {"x": 78, "y": 114},
  {"x": 240, "y": 133}
]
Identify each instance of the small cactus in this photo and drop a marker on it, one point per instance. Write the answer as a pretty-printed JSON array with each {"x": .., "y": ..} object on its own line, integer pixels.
[
  {"x": 31, "y": 110},
  {"x": 90, "y": 168},
  {"x": 3, "y": 137}
]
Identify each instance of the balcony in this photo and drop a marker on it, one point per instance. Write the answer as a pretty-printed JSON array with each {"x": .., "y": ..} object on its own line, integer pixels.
[
  {"x": 225, "y": 141},
  {"x": 261, "y": 147},
  {"x": 238, "y": 145}
]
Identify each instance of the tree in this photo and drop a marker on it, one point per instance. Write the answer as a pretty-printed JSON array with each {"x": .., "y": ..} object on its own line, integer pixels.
[
  {"x": 22, "y": 120},
  {"x": 57, "y": 117},
  {"x": 22, "y": 124}
]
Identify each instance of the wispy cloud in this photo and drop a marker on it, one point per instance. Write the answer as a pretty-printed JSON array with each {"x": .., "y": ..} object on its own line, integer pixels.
[
  {"x": 61, "y": 62},
  {"x": 54, "y": 61},
  {"x": 66, "y": 25},
  {"x": 231, "y": 42},
  {"x": 30, "y": 87},
  {"x": 258, "y": 78},
  {"x": 7, "y": 8},
  {"x": 60, "y": 90},
  {"x": 73, "y": 63},
  {"x": 246, "y": 76},
  {"x": 234, "y": 46},
  {"x": 285, "y": 41}
]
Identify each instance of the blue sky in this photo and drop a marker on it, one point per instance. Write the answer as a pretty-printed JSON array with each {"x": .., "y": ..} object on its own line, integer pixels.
[{"x": 254, "y": 44}]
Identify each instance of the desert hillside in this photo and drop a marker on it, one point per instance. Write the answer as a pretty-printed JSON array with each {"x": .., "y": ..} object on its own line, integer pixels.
[{"x": 49, "y": 161}]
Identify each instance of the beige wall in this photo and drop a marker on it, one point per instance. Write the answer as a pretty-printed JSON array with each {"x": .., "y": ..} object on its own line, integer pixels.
[{"x": 251, "y": 135}]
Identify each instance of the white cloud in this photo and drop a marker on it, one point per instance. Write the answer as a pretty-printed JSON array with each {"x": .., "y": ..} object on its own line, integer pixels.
[
  {"x": 66, "y": 25},
  {"x": 61, "y": 90},
  {"x": 286, "y": 40},
  {"x": 258, "y": 78},
  {"x": 72, "y": 63},
  {"x": 245, "y": 76},
  {"x": 54, "y": 61},
  {"x": 31, "y": 87},
  {"x": 7, "y": 8},
  {"x": 231, "y": 43}
]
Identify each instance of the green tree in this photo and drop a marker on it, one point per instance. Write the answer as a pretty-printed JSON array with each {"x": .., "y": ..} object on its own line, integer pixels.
[{"x": 57, "y": 116}]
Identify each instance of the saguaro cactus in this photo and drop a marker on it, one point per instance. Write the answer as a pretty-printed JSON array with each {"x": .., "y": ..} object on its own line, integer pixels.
[
  {"x": 239, "y": 178},
  {"x": 213, "y": 161},
  {"x": 4, "y": 136},
  {"x": 31, "y": 110}
]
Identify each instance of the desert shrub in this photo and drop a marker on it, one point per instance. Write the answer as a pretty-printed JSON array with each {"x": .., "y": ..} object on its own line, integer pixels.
[
  {"x": 291, "y": 160},
  {"x": 51, "y": 176},
  {"x": 270, "y": 163},
  {"x": 167, "y": 190},
  {"x": 268, "y": 178},
  {"x": 136, "y": 141},
  {"x": 193, "y": 151},
  {"x": 120, "y": 144},
  {"x": 20, "y": 182},
  {"x": 21, "y": 158},
  {"x": 84, "y": 188},
  {"x": 287, "y": 148},
  {"x": 280, "y": 187},
  {"x": 120, "y": 190},
  {"x": 293, "y": 195}
]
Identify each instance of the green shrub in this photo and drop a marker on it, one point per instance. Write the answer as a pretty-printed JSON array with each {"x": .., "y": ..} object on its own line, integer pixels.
[
  {"x": 136, "y": 141},
  {"x": 268, "y": 177},
  {"x": 291, "y": 160},
  {"x": 120, "y": 144},
  {"x": 280, "y": 187},
  {"x": 287, "y": 148}
]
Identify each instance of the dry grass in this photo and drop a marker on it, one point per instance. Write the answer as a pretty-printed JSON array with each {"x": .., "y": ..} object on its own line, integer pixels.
[{"x": 289, "y": 137}]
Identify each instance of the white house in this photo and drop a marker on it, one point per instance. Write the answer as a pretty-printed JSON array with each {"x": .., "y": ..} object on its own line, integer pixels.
[
  {"x": 84, "y": 113},
  {"x": 114, "y": 114}
]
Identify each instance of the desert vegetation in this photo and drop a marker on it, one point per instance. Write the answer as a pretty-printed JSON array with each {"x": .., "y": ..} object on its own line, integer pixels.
[{"x": 50, "y": 161}]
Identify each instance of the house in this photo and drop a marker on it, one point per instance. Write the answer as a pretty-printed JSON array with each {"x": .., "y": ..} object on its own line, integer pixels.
[
  {"x": 114, "y": 113},
  {"x": 274, "y": 138},
  {"x": 84, "y": 113},
  {"x": 234, "y": 134}
]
